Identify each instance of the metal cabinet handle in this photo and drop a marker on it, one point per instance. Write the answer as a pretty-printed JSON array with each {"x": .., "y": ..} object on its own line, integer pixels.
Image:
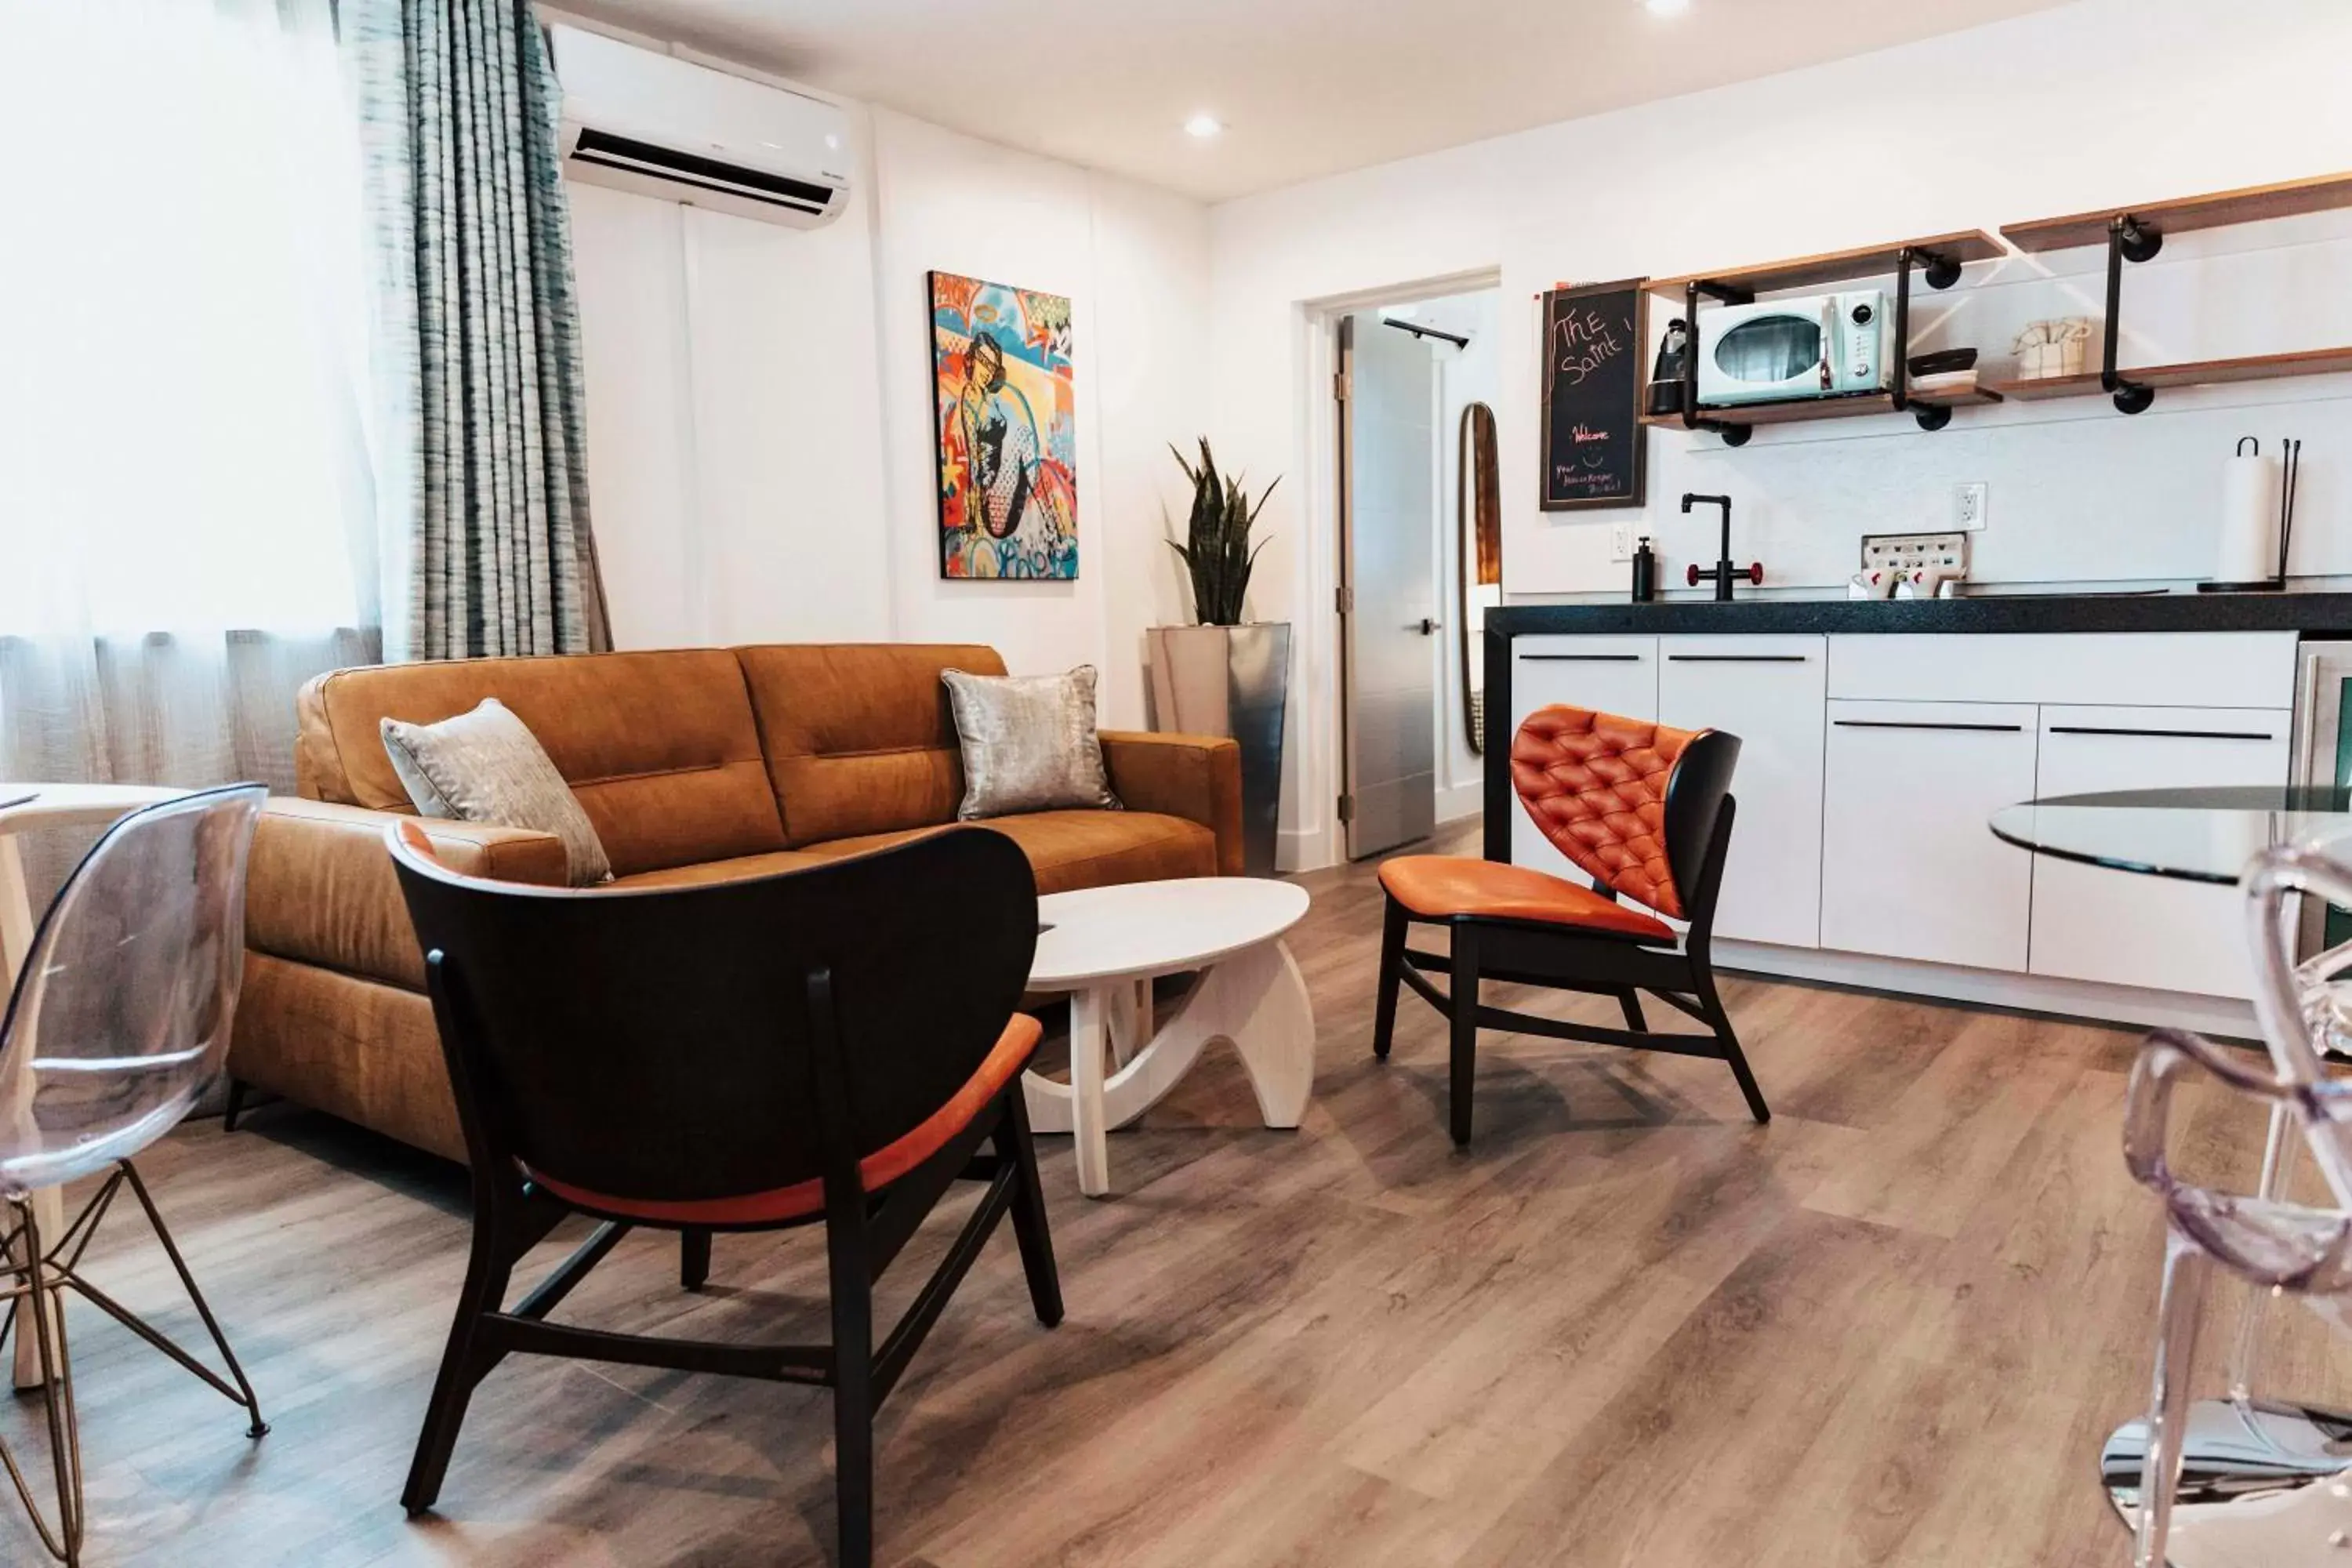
[
  {"x": 2162, "y": 734},
  {"x": 1738, "y": 659},
  {"x": 1924, "y": 724},
  {"x": 1583, "y": 657}
]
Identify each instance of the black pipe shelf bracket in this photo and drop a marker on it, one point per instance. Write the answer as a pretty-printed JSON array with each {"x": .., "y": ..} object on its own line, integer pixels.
[{"x": 2128, "y": 240}]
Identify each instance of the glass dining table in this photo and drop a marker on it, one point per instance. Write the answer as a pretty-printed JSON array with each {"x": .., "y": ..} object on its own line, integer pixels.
[{"x": 2289, "y": 1460}]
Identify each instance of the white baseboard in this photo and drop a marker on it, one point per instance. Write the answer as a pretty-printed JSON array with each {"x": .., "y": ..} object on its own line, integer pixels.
[
  {"x": 1302, "y": 849},
  {"x": 2220, "y": 1016},
  {"x": 1460, "y": 801}
]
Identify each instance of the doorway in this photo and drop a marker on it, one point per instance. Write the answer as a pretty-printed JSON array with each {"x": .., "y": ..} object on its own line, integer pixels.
[{"x": 1407, "y": 374}]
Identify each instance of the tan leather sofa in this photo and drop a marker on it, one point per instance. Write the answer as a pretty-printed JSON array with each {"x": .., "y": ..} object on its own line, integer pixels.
[{"x": 695, "y": 765}]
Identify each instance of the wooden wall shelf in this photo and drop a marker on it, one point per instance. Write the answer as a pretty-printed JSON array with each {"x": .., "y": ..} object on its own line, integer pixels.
[
  {"x": 1855, "y": 406},
  {"x": 2253, "y": 204},
  {"x": 2193, "y": 373},
  {"x": 1840, "y": 265}
]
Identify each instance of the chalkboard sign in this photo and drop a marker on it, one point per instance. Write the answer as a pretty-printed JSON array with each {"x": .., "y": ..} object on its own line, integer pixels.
[{"x": 1593, "y": 440}]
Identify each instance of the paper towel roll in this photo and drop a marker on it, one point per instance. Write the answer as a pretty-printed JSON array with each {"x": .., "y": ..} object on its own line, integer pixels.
[{"x": 2249, "y": 520}]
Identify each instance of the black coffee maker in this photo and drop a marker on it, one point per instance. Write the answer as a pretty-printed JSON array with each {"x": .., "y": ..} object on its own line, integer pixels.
[{"x": 1666, "y": 391}]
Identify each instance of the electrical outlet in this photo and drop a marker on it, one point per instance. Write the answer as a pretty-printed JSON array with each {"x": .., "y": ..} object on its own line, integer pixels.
[
  {"x": 1621, "y": 541},
  {"x": 1969, "y": 505}
]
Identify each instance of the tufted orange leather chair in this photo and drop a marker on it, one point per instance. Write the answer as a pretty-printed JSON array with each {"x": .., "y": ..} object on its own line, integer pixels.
[{"x": 1643, "y": 809}]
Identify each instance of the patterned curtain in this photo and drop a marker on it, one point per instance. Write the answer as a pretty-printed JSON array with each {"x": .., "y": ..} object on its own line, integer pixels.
[{"x": 486, "y": 527}]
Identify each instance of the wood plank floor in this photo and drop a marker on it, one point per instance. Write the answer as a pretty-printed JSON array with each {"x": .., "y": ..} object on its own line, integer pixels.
[{"x": 1627, "y": 1327}]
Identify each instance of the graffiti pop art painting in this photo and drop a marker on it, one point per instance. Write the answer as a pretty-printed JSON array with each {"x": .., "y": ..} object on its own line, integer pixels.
[{"x": 1007, "y": 430}]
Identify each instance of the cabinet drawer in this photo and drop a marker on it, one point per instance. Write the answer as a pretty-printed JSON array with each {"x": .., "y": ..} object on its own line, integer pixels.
[
  {"x": 2093, "y": 923},
  {"x": 1909, "y": 868},
  {"x": 2185, "y": 669},
  {"x": 1609, "y": 675},
  {"x": 1768, "y": 691}
]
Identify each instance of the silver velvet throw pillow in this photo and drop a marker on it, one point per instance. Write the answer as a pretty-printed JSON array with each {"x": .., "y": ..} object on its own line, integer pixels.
[
  {"x": 1029, "y": 742},
  {"x": 487, "y": 766}
]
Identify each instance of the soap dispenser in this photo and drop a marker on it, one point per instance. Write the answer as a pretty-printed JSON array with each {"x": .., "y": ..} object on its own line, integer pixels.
[{"x": 1645, "y": 570}]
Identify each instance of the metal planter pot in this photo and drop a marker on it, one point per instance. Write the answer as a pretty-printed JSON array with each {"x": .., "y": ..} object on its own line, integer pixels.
[{"x": 1231, "y": 680}]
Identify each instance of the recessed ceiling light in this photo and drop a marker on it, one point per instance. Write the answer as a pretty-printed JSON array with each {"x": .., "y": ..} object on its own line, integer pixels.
[
  {"x": 1203, "y": 126},
  {"x": 1666, "y": 8}
]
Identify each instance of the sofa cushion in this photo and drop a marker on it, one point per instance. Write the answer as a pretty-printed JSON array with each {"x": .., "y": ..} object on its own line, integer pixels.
[
  {"x": 660, "y": 748},
  {"x": 485, "y": 766},
  {"x": 1069, "y": 849},
  {"x": 1029, "y": 742},
  {"x": 859, "y": 737}
]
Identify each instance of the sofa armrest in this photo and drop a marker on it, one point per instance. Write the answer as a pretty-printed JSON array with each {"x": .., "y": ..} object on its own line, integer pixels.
[
  {"x": 321, "y": 889},
  {"x": 1196, "y": 777}
]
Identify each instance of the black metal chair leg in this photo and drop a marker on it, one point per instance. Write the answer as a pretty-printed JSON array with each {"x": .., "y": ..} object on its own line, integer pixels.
[
  {"x": 1630, "y": 1002},
  {"x": 853, "y": 1392},
  {"x": 235, "y": 1107},
  {"x": 693, "y": 1259},
  {"x": 1720, "y": 1022},
  {"x": 1017, "y": 1148},
  {"x": 1463, "y": 1010},
  {"x": 1394, "y": 925},
  {"x": 487, "y": 1275}
]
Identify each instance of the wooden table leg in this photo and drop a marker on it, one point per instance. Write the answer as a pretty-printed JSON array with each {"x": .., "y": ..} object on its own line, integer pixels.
[{"x": 49, "y": 1203}]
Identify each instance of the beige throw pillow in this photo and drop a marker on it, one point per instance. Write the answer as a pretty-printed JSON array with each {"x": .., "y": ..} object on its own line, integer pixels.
[
  {"x": 1029, "y": 742},
  {"x": 487, "y": 766}
]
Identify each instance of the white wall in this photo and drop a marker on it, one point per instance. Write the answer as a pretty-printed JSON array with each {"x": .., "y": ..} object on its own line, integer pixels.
[
  {"x": 1465, "y": 376},
  {"x": 2079, "y": 108},
  {"x": 759, "y": 409}
]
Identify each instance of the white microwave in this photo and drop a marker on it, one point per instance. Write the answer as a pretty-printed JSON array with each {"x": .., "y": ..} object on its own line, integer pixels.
[{"x": 1823, "y": 345}]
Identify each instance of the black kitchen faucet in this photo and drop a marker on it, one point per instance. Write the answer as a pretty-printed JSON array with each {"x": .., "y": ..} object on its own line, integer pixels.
[{"x": 1722, "y": 573}]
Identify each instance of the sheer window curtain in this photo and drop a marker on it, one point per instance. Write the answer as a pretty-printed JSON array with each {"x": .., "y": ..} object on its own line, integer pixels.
[{"x": 187, "y": 519}]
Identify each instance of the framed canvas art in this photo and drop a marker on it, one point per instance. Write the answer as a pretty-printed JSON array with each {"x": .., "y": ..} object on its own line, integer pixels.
[{"x": 1005, "y": 417}]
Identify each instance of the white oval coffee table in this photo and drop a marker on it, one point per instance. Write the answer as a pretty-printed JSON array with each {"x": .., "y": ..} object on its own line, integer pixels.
[{"x": 1105, "y": 946}]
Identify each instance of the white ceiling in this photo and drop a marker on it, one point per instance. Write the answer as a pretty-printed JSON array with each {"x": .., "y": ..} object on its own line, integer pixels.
[{"x": 1304, "y": 86}]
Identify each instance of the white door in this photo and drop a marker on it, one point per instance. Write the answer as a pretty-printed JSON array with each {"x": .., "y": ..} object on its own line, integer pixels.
[
  {"x": 2093, "y": 923},
  {"x": 1909, "y": 867},
  {"x": 1609, "y": 674},
  {"x": 1389, "y": 611},
  {"x": 1772, "y": 692}
]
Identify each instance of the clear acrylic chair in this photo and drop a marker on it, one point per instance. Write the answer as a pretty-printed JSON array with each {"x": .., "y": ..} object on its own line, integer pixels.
[
  {"x": 2241, "y": 1480},
  {"x": 117, "y": 1024}
]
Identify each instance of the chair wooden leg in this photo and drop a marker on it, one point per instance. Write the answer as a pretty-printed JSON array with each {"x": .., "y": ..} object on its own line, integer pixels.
[
  {"x": 463, "y": 1362},
  {"x": 1630, "y": 1001},
  {"x": 1016, "y": 1147},
  {"x": 1394, "y": 926},
  {"x": 1720, "y": 1022},
  {"x": 235, "y": 1107},
  {"x": 853, "y": 1392},
  {"x": 1463, "y": 1010},
  {"x": 693, "y": 1259}
]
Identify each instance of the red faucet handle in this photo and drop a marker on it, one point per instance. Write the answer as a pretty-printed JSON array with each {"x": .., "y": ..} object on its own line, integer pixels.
[
  {"x": 1690, "y": 574},
  {"x": 1756, "y": 572}
]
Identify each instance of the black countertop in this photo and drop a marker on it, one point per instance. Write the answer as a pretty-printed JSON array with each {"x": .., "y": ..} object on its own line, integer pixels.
[{"x": 2321, "y": 610}]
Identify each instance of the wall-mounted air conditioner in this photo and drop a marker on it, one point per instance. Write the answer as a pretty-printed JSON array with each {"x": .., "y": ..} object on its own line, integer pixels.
[{"x": 662, "y": 127}]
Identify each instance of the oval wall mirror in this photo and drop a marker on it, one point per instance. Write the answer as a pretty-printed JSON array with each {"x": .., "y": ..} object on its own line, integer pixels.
[{"x": 1479, "y": 521}]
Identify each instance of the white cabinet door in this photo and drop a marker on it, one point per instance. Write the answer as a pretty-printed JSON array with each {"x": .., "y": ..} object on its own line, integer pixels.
[
  {"x": 1909, "y": 868},
  {"x": 1609, "y": 674},
  {"x": 2093, "y": 923},
  {"x": 1770, "y": 691}
]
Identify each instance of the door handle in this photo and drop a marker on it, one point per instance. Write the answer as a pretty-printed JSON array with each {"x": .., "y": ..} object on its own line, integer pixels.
[{"x": 1428, "y": 627}]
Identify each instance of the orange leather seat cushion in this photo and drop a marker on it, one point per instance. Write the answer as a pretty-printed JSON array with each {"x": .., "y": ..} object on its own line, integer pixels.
[
  {"x": 878, "y": 1170},
  {"x": 734, "y": 871},
  {"x": 1446, "y": 887},
  {"x": 1069, "y": 849}
]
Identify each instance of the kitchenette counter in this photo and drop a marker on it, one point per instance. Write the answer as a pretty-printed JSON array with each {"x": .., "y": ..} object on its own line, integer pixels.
[{"x": 2323, "y": 608}]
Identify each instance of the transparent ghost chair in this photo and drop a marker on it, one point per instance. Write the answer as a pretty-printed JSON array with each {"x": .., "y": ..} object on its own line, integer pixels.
[
  {"x": 2241, "y": 1480},
  {"x": 117, "y": 1024}
]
